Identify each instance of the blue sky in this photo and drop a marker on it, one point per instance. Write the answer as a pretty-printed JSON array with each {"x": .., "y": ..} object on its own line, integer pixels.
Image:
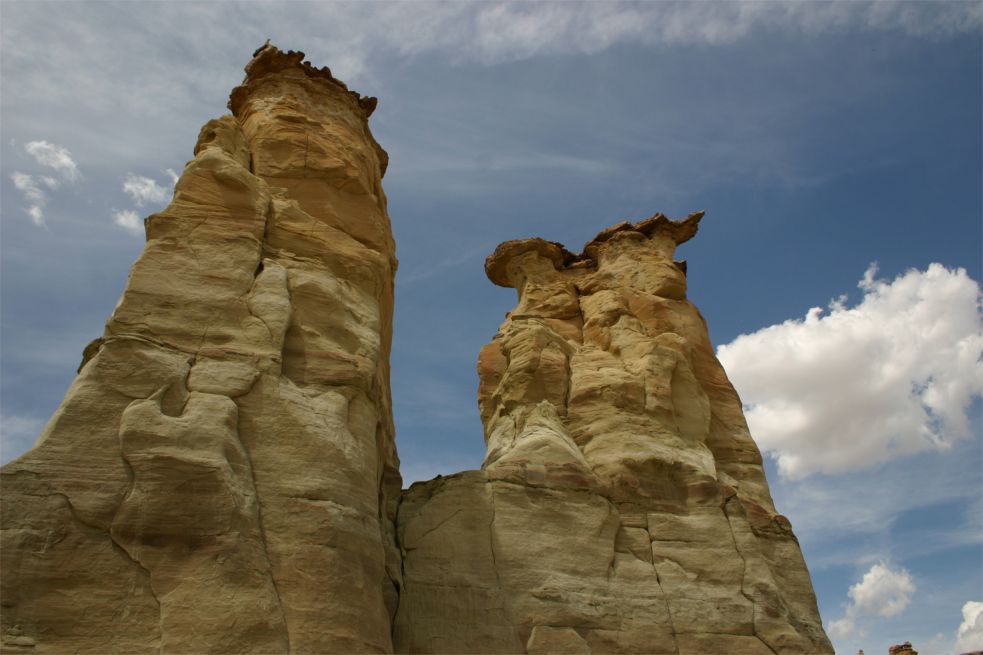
[{"x": 820, "y": 138}]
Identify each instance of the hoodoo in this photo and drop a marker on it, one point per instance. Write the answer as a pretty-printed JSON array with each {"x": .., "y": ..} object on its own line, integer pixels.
[
  {"x": 622, "y": 505},
  {"x": 222, "y": 477}
]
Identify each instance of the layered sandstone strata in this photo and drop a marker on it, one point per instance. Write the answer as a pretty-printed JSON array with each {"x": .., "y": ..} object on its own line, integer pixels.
[
  {"x": 221, "y": 476},
  {"x": 622, "y": 505}
]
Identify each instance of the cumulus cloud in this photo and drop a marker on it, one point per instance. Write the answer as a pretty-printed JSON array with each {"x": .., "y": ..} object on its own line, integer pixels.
[
  {"x": 881, "y": 592},
  {"x": 969, "y": 636},
  {"x": 54, "y": 156},
  {"x": 129, "y": 220},
  {"x": 144, "y": 190},
  {"x": 855, "y": 386}
]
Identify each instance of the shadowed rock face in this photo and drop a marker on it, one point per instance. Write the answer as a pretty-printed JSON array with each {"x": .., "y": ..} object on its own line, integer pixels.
[
  {"x": 622, "y": 504},
  {"x": 221, "y": 476}
]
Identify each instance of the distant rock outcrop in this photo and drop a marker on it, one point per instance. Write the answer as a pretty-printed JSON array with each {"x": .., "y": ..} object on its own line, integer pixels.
[
  {"x": 221, "y": 476},
  {"x": 622, "y": 506}
]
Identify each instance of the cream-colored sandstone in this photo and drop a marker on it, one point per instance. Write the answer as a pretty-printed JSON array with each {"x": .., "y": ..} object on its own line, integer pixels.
[
  {"x": 622, "y": 505},
  {"x": 221, "y": 476}
]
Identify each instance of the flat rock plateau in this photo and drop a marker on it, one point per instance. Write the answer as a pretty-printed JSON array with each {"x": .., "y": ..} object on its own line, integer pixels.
[{"x": 222, "y": 475}]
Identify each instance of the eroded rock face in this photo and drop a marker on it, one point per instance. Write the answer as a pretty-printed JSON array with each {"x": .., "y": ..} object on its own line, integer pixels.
[
  {"x": 222, "y": 476},
  {"x": 622, "y": 505}
]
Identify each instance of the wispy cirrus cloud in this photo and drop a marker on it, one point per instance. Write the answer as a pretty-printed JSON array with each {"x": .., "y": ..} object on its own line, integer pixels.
[
  {"x": 33, "y": 194},
  {"x": 144, "y": 190},
  {"x": 35, "y": 187},
  {"x": 55, "y": 157}
]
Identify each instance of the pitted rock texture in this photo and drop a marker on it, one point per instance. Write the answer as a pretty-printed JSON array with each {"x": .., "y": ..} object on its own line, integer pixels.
[
  {"x": 221, "y": 476},
  {"x": 622, "y": 506}
]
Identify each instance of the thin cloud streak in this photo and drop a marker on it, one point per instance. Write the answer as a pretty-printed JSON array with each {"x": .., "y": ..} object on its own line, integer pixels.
[
  {"x": 144, "y": 190},
  {"x": 52, "y": 156},
  {"x": 55, "y": 157}
]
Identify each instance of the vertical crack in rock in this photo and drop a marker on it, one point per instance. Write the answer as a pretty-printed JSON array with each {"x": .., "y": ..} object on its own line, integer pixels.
[
  {"x": 663, "y": 595},
  {"x": 737, "y": 549},
  {"x": 502, "y": 590}
]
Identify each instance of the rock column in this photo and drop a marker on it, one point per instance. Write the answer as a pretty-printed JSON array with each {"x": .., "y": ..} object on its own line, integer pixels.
[
  {"x": 622, "y": 505},
  {"x": 222, "y": 475}
]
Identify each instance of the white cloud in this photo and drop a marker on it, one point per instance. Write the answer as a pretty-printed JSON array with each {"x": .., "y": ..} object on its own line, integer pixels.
[
  {"x": 33, "y": 194},
  {"x": 172, "y": 174},
  {"x": 54, "y": 156},
  {"x": 866, "y": 532},
  {"x": 36, "y": 214},
  {"x": 508, "y": 31},
  {"x": 969, "y": 636},
  {"x": 881, "y": 592},
  {"x": 143, "y": 190},
  {"x": 128, "y": 219},
  {"x": 855, "y": 387},
  {"x": 26, "y": 185}
]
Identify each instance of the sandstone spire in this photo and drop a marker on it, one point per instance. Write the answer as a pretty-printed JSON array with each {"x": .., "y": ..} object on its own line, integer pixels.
[
  {"x": 622, "y": 506},
  {"x": 221, "y": 476}
]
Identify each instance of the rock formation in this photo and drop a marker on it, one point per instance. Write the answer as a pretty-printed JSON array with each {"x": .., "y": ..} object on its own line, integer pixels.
[
  {"x": 221, "y": 476},
  {"x": 622, "y": 506}
]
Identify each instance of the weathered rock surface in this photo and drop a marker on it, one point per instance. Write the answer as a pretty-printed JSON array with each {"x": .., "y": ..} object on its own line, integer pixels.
[
  {"x": 622, "y": 505},
  {"x": 221, "y": 477}
]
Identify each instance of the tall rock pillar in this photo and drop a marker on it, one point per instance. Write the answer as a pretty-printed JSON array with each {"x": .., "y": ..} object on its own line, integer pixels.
[
  {"x": 622, "y": 506},
  {"x": 222, "y": 476}
]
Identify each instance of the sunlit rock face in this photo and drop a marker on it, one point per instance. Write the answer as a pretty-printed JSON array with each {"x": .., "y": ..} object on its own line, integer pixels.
[
  {"x": 221, "y": 476},
  {"x": 622, "y": 505}
]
